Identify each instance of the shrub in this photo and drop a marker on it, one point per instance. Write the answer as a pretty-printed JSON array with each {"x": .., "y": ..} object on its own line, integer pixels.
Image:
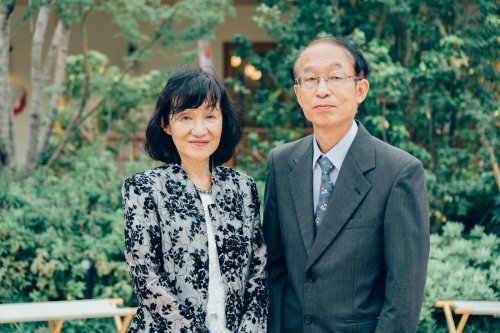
[
  {"x": 51, "y": 222},
  {"x": 462, "y": 266}
]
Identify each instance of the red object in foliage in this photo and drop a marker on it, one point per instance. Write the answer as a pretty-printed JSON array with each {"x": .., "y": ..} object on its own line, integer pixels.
[
  {"x": 208, "y": 52},
  {"x": 21, "y": 104}
]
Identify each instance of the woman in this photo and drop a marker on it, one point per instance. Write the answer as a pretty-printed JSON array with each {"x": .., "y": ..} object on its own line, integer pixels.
[{"x": 193, "y": 240}]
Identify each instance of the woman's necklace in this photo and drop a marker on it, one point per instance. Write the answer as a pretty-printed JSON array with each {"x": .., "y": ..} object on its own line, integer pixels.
[{"x": 202, "y": 191}]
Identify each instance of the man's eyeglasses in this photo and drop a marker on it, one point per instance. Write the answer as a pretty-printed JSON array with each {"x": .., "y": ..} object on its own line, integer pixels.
[{"x": 333, "y": 80}]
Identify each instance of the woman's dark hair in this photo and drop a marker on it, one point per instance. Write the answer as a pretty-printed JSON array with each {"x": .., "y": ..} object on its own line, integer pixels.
[
  {"x": 354, "y": 54},
  {"x": 189, "y": 88}
]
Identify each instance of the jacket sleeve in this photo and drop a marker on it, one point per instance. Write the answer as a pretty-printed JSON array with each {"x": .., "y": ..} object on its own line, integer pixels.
[
  {"x": 406, "y": 250},
  {"x": 256, "y": 299},
  {"x": 276, "y": 264},
  {"x": 143, "y": 252}
]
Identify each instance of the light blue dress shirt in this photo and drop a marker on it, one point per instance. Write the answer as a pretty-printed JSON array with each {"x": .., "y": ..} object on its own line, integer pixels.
[{"x": 336, "y": 155}]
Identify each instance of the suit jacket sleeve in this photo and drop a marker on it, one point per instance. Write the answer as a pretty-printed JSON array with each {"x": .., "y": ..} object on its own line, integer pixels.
[
  {"x": 276, "y": 264},
  {"x": 256, "y": 299},
  {"x": 406, "y": 250},
  {"x": 143, "y": 253}
]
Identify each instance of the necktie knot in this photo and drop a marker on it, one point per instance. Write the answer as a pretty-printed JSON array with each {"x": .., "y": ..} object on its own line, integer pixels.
[{"x": 325, "y": 165}]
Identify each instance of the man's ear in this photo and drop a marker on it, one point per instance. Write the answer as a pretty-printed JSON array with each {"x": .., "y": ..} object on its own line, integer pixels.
[
  {"x": 296, "y": 89},
  {"x": 362, "y": 89}
]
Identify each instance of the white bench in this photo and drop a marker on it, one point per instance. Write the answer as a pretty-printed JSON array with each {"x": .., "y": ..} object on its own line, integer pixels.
[
  {"x": 467, "y": 308},
  {"x": 58, "y": 311}
]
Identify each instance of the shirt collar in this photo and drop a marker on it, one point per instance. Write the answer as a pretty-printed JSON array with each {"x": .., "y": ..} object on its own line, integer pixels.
[{"x": 337, "y": 154}]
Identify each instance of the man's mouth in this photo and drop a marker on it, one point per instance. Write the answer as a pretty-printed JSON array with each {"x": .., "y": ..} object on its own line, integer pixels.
[{"x": 323, "y": 106}]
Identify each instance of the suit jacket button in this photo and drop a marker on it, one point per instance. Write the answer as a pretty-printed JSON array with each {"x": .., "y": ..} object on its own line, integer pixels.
[
  {"x": 307, "y": 319},
  {"x": 311, "y": 277}
]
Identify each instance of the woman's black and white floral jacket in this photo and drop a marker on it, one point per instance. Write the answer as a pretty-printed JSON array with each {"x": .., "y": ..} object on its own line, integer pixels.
[{"x": 166, "y": 248}]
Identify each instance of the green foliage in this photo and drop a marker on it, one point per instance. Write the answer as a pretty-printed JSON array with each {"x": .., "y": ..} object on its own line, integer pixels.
[
  {"x": 73, "y": 11},
  {"x": 178, "y": 24},
  {"x": 122, "y": 104},
  {"x": 432, "y": 87},
  {"x": 462, "y": 266},
  {"x": 122, "y": 96},
  {"x": 103, "y": 93},
  {"x": 53, "y": 220}
]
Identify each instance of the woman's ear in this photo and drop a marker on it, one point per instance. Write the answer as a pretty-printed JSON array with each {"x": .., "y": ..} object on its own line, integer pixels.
[{"x": 167, "y": 130}]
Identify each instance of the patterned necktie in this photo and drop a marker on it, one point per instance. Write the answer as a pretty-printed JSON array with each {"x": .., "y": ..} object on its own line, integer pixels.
[{"x": 325, "y": 190}]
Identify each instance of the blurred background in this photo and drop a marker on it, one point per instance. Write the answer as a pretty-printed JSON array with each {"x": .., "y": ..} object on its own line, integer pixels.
[{"x": 78, "y": 82}]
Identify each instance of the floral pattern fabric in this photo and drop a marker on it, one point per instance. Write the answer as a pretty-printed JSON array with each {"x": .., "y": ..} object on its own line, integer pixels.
[{"x": 166, "y": 248}]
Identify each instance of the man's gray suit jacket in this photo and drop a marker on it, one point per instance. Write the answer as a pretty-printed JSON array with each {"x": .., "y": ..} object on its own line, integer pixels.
[{"x": 366, "y": 268}]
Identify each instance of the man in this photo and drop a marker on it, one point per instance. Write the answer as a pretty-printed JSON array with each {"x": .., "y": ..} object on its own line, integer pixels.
[{"x": 346, "y": 215}]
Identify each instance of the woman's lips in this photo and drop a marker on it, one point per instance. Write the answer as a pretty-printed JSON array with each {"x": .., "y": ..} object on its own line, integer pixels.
[{"x": 199, "y": 142}]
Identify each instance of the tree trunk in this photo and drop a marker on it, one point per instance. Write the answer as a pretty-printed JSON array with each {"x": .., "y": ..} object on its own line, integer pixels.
[
  {"x": 406, "y": 56},
  {"x": 403, "y": 40},
  {"x": 381, "y": 22},
  {"x": 60, "y": 41},
  {"x": 491, "y": 152},
  {"x": 336, "y": 9},
  {"x": 38, "y": 81},
  {"x": 85, "y": 97},
  {"x": 7, "y": 149}
]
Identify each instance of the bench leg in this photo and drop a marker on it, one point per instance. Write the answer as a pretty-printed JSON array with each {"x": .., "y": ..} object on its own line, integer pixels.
[
  {"x": 449, "y": 318},
  {"x": 55, "y": 328},
  {"x": 118, "y": 323},
  {"x": 462, "y": 322},
  {"x": 121, "y": 326}
]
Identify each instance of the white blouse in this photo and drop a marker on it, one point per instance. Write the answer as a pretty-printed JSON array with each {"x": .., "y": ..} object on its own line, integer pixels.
[{"x": 216, "y": 306}]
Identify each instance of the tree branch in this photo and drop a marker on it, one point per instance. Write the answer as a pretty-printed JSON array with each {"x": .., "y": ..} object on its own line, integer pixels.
[
  {"x": 441, "y": 28},
  {"x": 147, "y": 46}
]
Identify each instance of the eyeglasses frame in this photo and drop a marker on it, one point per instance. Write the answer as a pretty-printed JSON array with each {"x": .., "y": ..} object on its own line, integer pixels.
[{"x": 356, "y": 78}]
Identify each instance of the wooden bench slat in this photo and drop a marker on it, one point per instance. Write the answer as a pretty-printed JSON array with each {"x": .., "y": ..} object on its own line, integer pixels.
[
  {"x": 45, "y": 311},
  {"x": 477, "y": 307}
]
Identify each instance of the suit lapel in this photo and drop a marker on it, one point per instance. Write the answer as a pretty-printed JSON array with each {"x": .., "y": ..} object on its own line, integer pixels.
[
  {"x": 350, "y": 189},
  {"x": 300, "y": 179}
]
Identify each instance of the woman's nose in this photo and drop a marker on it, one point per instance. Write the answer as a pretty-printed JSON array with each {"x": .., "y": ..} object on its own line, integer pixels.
[{"x": 199, "y": 128}]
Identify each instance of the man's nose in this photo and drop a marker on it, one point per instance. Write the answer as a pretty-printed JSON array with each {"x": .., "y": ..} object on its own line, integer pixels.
[{"x": 322, "y": 89}]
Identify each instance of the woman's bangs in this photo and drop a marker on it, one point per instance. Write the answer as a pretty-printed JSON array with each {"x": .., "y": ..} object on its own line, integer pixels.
[{"x": 194, "y": 94}]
